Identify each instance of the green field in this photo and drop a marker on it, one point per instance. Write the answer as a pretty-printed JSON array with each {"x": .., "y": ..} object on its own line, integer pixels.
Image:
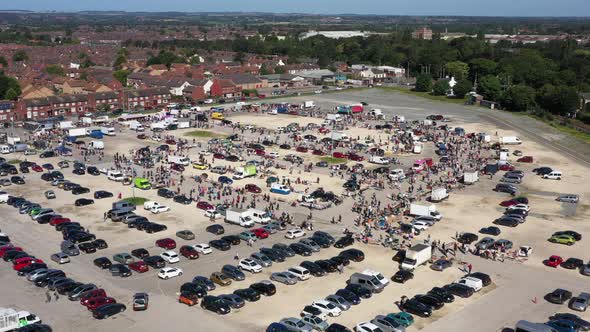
[
  {"x": 332, "y": 160},
  {"x": 203, "y": 134},
  {"x": 136, "y": 200}
]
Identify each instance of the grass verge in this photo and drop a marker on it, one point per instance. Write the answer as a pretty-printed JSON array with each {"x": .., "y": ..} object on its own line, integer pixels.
[
  {"x": 14, "y": 161},
  {"x": 425, "y": 95},
  {"x": 332, "y": 160},
  {"x": 136, "y": 200},
  {"x": 203, "y": 134}
]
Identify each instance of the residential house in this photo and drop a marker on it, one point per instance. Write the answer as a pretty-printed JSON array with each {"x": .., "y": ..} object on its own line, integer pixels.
[
  {"x": 422, "y": 33},
  {"x": 285, "y": 80},
  {"x": 224, "y": 88},
  {"x": 317, "y": 77},
  {"x": 8, "y": 111},
  {"x": 109, "y": 100},
  {"x": 146, "y": 98},
  {"x": 246, "y": 81},
  {"x": 73, "y": 87},
  {"x": 32, "y": 91}
]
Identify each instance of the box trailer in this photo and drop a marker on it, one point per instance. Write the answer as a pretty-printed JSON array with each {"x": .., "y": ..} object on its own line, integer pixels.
[
  {"x": 415, "y": 256},
  {"x": 470, "y": 177},
  {"x": 99, "y": 145},
  {"x": 239, "y": 217},
  {"x": 77, "y": 132},
  {"x": 244, "y": 172},
  {"x": 418, "y": 210},
  {"x": 184, "y": 161},
  {"x": 510, "y": 140},
  {"x": 334, "y": 117},
  {"x": 184, "y": 124},
  {"x": 109, "y": 131},
  {"x": 339, "y": 136},
  {"x": 308, "y": 104},
  {"x": 438, "y": 194}
]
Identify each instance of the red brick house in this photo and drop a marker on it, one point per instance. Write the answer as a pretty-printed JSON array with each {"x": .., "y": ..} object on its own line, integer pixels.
[
  {"x": 8, "y": 111},
  {"x": 145, "y": 98},
  {"x": 225, "y": 89}
]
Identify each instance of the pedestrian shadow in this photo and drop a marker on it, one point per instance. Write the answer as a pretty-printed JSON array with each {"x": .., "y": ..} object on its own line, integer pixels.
[{"x": 507, "y": 329}]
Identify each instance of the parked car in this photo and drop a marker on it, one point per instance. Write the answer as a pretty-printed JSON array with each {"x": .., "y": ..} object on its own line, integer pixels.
[{"x": 559, "y": 296}]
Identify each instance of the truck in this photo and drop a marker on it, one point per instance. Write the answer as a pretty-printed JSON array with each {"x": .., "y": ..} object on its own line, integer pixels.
[
  {"x": 8, "y": 320},
  {"x": 470, "y": 177},
  {"x": 339, "y": 136},
  {"x": 238, "y": 217},
  {"x": 135, "y": 125},
  {"x": 77, "y": 132},
  {"x": 180, "y": 160},
  {"x": 98, "y": 145},
  {"x": 142, "y": 183},
  {"x": 115, "y": 175},
  {"x": 244, "y": 172},
  {"x": 376, "y": 113},
  {"x": 417, "y": 148},
  {"x": 510, "y": 140},
  {"x": 95, "y": 133},
  {"x": 20, "y": 147},
  {"x": 379, "y": 160},
  {"x": 418, "y": 210},
  {"x": 308, "y": 104},
  {"x": 417, "y": 255},
  {"x": 162, "y": 125},
  {"x": 184, "y": 124},
  {"x": 421, "y": 164},
  {"x": 12, "y": 140},
  {"x": 259, "y": 216},
  {"x": 65, "y": 125},
  {"x": 109, "y": 131},
  {"x": 438, "y": 194}
]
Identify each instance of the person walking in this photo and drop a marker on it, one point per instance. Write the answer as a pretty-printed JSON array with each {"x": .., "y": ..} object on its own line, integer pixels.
[
  {"x": 237, "y": 257},
  {"x": 47, "y": 297},
  {"x": 469, "y": 268}
]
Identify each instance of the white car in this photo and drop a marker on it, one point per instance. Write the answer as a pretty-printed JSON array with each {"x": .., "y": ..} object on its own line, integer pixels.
[
  {"x": 203, "y": 248},
  {"x": 159, "y": 209},
  {"x": 420, "y": 225},
  {"x": 169, "y": 272},
  {"x": 273, "y": 154},
  {"x": 367, "y": 327},
  {"x": 327, "y": 307},
  {"x": 208, "y": 101},
  {"x": 213, "y": 213},
  {"x": 249, "y": 265},
  {"x": 519, "y": 207},
  {"x": 170, "y": 256},
  {"x": 294, "y": 233},
  {"x": 317, "y": 92}
]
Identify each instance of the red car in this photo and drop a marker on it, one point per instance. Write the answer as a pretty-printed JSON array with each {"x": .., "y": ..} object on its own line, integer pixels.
[
  {"x": 139, "y": 266},
  {"x": 252, "y": 188},
  {"x": 9, "y": 247},
  {"x": 96, "y": 302},
  {"x": 177, "y": 167},
  {"x": 58, "y": 220},
  {"x": 189, "y": 252},
  {"x": 170, "y": 142},
  {"x": 218, "y": 156},
  {"x": 506, "y": 167},
  {"x": 37, "y": 168},
  {"x": 141, "y": 136},
  {"x": 205, "y": 206},
  {"x": 260, "y": 152},
  {"x": 339, "y": 155},
  {"x": 355, "y": 157},
  {"x": 260, "y": 233},
  {"x": 166, "y": 243},
  {"x": 301, "y": 149},
  {"x": 86, "y": 297},
  {"x": 508, "y": 203},
  {"x": 554, "y": 261},
  {"x": 525, "y": 159},
  {"x": 324, "y": 130},
  {"x": 318, "y": 153},
  {"x": 25, "y": 260}
]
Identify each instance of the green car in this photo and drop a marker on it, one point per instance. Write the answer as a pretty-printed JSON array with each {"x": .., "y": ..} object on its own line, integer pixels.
[
  {"x": 245, "y": 236},
  {"x": 35, "y": 211},
  {"x": 563, "y": 239},
  {"x": 272, "y": 179},
  {"x": 402, "y": 318}
]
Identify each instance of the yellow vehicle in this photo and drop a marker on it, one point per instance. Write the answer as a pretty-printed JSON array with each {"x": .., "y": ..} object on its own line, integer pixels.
[
  {"x": 142, "y": 183},
  {"x": 200, "y": 166},
  {"x": 217, "y": 116}
]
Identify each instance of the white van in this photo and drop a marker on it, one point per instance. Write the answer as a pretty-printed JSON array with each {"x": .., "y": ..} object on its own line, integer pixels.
[
  {"x": 471, "y": 282},
  {"x": 301, "y": 272},
  {"x": 379, "y": 160},
  {"x": 4, "y": 149},
  {"x": 397, "y": 174},
  {"x": 115, "y": 175},
  {"x": 555, "y": 175},
  {"x": 384, "y": 281},
  {"x": 259, "y": 216},
  {"x": 3, "y": 197}
]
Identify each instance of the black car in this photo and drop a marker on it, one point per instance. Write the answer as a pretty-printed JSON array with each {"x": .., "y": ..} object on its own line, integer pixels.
[
  {"x": 182, "y": 199},
  {"x": 67, "y": 286},
  {"x": 559, "y": 296},
  {"x": 335, "y": 327},
  {"x": 583, "y": 324},
  {"x": 204, "y": 282},
  {"x": 120, "y": 270},
  {"x": 103, "y": 262},
  {"x": 467, "y": 238},
  {"x": 359, "y": 290},
  {"x": 92, "y": 170},
  {"x": 232, "y": 158},
  {"x": 344, "y": 241},
  {"x": 215, "y": 304},
  {"x": 215, "y": 229},
  {"x": 193, "y": 288},
  {"x": 138, "y": 223},
  {"x": 47, "y": 154},
  {"x": 353, "y": 254},
  {"x": 285, "y": 146},
  {"x": 83, "y": 202},
  {"x": 102, "y": 194},
  {"x": 542, "y": 170},
  {"x": 349, "y": 296},
  {"x": 340, "y": 260},
  {"x": 572, "y": 263},
  {"x": 67, "y": 226},
  {"x": 154, "y": 228},
  {"x": 300, "y": 249},
  {"x": 577, "y": 236},
  {"x": 234, "y": 240},
  {"x": 322, "y": 242},
  {"x": 17, "y": 180},
  {"x": 80, "y": 190},
  {"x": 432, "y": 301},
  {"x": 274, "y": 255},
  {"x": 313, "y": 268},
  {"x": 140, "y": 253},
  {"x": 402, "y": 276},
  {"x": 310, "y": 310},
  {"x": 24, "y": 169},
  {"x": 47, "y": 177},
  {"x": 248, "y": 294},
  {"x": 46, "y": 218},
  {"x": 442, "y": 294},
  {"x": 491, "y": 230},
  {"x": 166, "y": 193},
  {"x": 81, "y": 237},
  {"x": 266, "y": 288},
  {"x": 486, "y": 280},
  {"x": 87, "y": 247},
  {"x": 78, "y": 171},
  {"x": 220, "y": 245},
  {"x": 459, "y": 290},
  {"x": 283, "y": 249},
  {"x": 108, "y": 310},
  {"x": 327, "y": 265},
  {"x": 417, "y": 308},
  {"x": 156, "y": 262},
  {"x": 510, "y": 222}
]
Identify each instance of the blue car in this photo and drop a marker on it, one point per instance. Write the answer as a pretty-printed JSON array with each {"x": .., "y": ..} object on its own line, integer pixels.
[
  {"x": 277, "y": 327},
  {"x": 48, "y": 167},
  {"x": 563, "y": 325},
  {"x": 225, "y": 180}
]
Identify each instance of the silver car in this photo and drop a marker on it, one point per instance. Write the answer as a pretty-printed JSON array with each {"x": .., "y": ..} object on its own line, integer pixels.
[
  {"x": 585, "y": 270},
  {"x": 310, "y": 243},
  {"x": 568, "y": 198},
  {"x": 286, "y": 278},
  {"x": 261, "y": 259},
  {"x": 60, "y": 258},
  {"x": 581, "y": 302},
  {"x": 485, "y": 243},
  {"x": 387, "y": 324},
  {"x": 295, "y": 324},
  {"x": 233, "y": 300},
  {"x": 511, "y": 179},
  {"x": 338, "y": 301},
  {"x": 315, "y": 322},
  {"x": 427, "y": 219},
  {"x": 37, "y": 274}
]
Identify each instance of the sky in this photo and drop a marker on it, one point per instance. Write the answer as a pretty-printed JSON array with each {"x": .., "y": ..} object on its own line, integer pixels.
[{"x": 386, "y": 7}]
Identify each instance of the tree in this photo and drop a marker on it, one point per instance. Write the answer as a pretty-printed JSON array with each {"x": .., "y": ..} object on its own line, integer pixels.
[
  {"x": 423, "y": 83},
  {"x": 519, "y": 98},
  {"x": 11, "y": 94},
  {"x": 490, "y": 87},
  {"x": 462, "y": 88},
  {"x": 441, "y": 87},
  {"x": 3, "y": 61},
  {"x": 482, "y": 67},
  {"x": 20, "y": 55},
  {"x": 560, "y": 99},
  {"x": 240, "y": 57},
  {"x": 121, "y": 76},
  {"x": 55, "y": 70},
  {"x": 457, "y": 69},
  {"x": 280, "y": 70},
  {"x": 8, "y": 83}
]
